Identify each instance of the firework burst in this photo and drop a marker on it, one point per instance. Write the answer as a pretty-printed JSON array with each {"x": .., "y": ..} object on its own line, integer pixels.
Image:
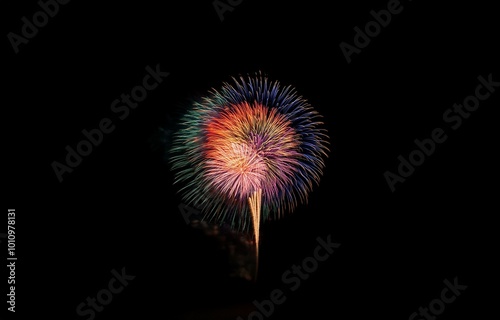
[{"x": 248, "y": 152}]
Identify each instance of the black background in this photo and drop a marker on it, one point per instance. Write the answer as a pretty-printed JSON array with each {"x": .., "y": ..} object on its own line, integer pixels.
[{"x": 119, "y": 208}]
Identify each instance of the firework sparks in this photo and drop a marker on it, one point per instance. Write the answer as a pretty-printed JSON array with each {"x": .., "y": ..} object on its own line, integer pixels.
[{"x": 249, "y": 152}]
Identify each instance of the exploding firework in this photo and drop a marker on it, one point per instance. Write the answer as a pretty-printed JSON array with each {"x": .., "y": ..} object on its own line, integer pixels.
[{"x": 248, "y": 152}]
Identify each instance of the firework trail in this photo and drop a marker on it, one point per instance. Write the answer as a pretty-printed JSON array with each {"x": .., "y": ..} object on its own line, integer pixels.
[{"x": 248, "y": 152}]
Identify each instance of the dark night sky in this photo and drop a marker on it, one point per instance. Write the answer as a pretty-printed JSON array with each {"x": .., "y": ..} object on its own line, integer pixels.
[{"x": 119, "y": 208}]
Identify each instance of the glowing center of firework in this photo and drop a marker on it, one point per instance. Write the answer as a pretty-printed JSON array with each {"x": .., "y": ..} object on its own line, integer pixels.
[
  {"x": 244, "y": 165},
  {"x": 243, "y": 149}
]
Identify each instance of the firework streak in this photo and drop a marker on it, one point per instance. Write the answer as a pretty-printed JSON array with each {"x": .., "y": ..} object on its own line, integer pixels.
[{"x": 248, "y": 152}]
